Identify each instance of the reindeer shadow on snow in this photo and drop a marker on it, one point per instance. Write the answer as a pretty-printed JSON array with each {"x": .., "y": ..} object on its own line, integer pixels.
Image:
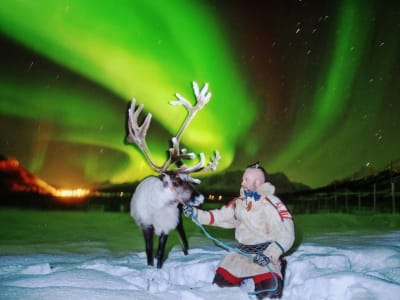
[{"x": 156, "y": 204}]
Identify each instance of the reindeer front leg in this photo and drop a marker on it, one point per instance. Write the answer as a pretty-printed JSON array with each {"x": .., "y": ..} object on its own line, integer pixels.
[
  {"x": 162, "y": 241},
  {"x": 182, "y": 234},
  {"x": 148, "y": 233}
]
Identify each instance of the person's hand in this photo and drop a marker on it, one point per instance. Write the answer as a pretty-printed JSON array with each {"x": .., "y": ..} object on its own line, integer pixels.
[
  {"x": 261, "y": 259},
  {"x": 274, "y": 252},
  {"x": 189, "y": 211}
]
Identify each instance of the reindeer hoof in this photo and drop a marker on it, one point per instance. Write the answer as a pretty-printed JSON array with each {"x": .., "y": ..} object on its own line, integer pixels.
[
  {"x": 150, "y": 262},
  {"x": 159, "y": 264}
]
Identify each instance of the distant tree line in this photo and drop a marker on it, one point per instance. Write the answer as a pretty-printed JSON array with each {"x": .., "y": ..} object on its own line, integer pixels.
[{"x": 374, "y": 194}]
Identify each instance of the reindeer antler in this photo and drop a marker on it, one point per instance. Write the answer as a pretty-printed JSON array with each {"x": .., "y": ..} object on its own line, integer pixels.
[
  {"x": 202, "y": 98},
  {"x": 137, "y": 135}
]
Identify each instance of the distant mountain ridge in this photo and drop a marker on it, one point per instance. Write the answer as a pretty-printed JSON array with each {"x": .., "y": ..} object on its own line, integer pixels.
[
  {"x": 227, "y": 182},
  {"x": 368, "y": 171},
  {"x": 230, "y": 181},
  {"x": 15, "y": 178}
]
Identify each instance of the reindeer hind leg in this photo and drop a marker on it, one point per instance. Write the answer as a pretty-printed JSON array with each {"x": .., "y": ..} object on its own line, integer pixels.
[
  {"x": 162, "y": 242},
  {"x": 148, "y": 233}
]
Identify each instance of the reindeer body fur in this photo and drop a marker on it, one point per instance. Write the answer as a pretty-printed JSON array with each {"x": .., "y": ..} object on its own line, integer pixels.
[
  {"x": 154, "y": 204},
  {"x": 154, "y": 207}
]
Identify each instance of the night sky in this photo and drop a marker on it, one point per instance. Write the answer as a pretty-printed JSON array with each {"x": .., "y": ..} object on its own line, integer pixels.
[{"x": 308, "y": 88}]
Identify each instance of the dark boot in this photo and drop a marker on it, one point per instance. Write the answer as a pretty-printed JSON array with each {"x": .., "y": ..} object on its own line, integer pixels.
[
  {"x": 269, "y": 284},
  {"x": 271, "y": 288}
]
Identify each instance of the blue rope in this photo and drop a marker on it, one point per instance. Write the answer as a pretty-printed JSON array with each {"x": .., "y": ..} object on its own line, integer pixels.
[{"x": 233, "y": 249}]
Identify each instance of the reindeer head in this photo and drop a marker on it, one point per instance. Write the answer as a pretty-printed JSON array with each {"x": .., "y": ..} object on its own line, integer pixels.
[
  {"x": 174, "y": 167},
  {"x": 181, "y": 189}
]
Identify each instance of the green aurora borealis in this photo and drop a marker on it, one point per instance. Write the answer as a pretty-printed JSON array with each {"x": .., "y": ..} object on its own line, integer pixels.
[{"x": 308, "y": 88}]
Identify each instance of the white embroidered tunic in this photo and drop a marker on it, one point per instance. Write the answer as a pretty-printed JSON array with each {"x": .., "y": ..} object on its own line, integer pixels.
[{"x": 255, "y": 222}]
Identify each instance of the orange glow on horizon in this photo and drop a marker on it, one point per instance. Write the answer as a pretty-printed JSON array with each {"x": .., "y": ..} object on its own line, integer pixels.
[{"x": 75, "y": 193}]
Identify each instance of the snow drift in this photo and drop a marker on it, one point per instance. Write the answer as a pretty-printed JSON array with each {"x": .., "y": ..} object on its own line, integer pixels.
[{"x": 328, "y": 267}]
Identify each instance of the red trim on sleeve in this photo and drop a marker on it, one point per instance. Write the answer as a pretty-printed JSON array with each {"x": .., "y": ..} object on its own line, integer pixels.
[
  {"x": 211, "y": 218},
  {"x": 281, "y": 209},
  {"x": 232, "y": 202}
]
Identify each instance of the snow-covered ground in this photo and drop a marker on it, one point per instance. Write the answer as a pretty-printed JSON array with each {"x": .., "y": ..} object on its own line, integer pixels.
[{"x": 327, "y": 267}]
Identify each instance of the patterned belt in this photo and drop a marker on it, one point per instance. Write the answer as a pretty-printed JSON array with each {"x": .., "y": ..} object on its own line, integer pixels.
[{"x": 253, "y": 249}]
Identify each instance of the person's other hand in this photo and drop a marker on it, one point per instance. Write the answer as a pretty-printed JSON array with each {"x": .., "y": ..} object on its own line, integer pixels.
[{"x": 261, "y": 259}]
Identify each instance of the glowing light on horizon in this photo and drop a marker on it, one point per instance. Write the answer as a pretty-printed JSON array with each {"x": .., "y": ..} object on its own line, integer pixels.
[{"x": 74, "y": 193}]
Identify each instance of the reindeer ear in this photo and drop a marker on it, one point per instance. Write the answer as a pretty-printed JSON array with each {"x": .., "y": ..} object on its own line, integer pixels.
[{"x": 165, "y": 179}]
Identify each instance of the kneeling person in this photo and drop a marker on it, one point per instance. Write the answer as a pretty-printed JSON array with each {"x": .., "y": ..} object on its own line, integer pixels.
[{"x": 263, "y": 228}]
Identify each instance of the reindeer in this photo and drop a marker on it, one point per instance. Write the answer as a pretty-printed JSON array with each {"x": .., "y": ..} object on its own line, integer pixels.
[{"x": 154, "y": 204}]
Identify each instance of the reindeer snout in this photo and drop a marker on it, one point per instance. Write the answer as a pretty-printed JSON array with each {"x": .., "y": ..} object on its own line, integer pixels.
[{"x": 196, "y": 199}]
